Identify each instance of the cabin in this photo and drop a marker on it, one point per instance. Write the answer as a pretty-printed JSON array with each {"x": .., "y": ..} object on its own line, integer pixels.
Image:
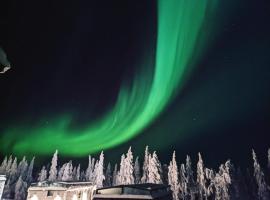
[
  {"x": 61, "y": 191},
  {"x": 146, "y": 191},
  {"x": 2, "y": 184}
]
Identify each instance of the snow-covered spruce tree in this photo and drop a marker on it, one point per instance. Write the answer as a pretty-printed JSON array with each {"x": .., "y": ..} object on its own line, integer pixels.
[
  {"x": 183, "y": 182},
  {"x": 262, "y": 192},
  {"x": 108, "y": 176},
  {"x": 82, "y": 176},
  {"x": 120, "y": 174},
  {"x": 145, "y": 174},
  {"x": 201, "y": 181},
  {"x": 13, "y": 171},
  {"x": 98, "y": 171},
  {"x": 89, "y": 169},
  {"x": 68, "y": 171},
  {"x": 78, "y": 173},
  {"x": 8, "y": 166},
  {"x": 173, "y": 180},
  {"x": 29, "y": 175},
  {"x": 222, "y": 182},
  {"x": 22, "y": 168},
  {"x": 137, "y": 171},
  {"x": 89, "y": 173},
  {"x": 74, "y": 172},
  {"x": 128, "y": 169},
  {"x": 7, "y": 190},
  {"x": 42, "y": 176},
  {"x": 191, "y": 185},
  {"x": 154, "y": 169},
  {"x": 3, "y": 166},
  {"x": 210, "y": 182},
  {"x": 234, "y": 187},
  {"x": 228, "y": 176},
  {"x": 114, "y": 181},
  {"x": 92, "y": 175},
  {"x": 20, "y": 189},
  {"x": 53, "y": 170},
  {"x": 61, "y": 172}
]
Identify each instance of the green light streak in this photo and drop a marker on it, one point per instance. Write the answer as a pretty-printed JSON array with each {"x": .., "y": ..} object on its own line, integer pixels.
[{"x": 179, "y": 25}]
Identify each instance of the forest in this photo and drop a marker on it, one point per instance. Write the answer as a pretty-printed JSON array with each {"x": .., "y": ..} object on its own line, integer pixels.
[{"x": 186, "y": 182}]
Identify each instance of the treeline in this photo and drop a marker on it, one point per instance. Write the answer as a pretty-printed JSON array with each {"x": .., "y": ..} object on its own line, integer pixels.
[{"x": 185, "y": 181}]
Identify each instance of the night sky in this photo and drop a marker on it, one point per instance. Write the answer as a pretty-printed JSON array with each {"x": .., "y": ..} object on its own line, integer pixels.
[{"x": 71, "y": 60}]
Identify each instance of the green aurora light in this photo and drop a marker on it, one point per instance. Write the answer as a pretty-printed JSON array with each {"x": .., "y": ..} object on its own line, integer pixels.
[{"x": 181, "y": 25}]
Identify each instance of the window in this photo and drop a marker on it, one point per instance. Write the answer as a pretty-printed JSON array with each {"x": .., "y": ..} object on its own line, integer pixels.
[{"x": 50, "y": 193}]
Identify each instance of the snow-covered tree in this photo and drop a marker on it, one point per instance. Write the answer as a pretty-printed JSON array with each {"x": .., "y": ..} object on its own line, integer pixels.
[
  {"x": 3, "y": 166},
  {"x": 201, "y": 181},
  {"x": 20, "y": 189},
  {"x": 61, "y": 172},
  {"x": 67, "y": 173},
  {"x": 145, "y": 174},
  {"x": 137, "y": 171},
  {"x": 210, "y": 182},
  {"x": 108, "y": 176},
  {"x": 74, "y": 172},
  {"x": 7, "y": 190},
  {"x": 98, "y": 171},
  {"x": 29, "y": 176},
  {"x": 22, "y": 168},
  {"x": 89, "y": 173},
  {"x": 183, "y": 182},
  {"x": 8, "y": 165},
  {"x": 126, "y": 172},
  {"x": 120, "y": 175},
  {"x": 262, "y": 192},
  {"x": 42, "y": 176},
  {"x": 154, "y": 169},
  {"x": 191, "y": 185},
  {"x": 129, "y": 168},
  {"x": 13, "y": 171},
  {"x": 222, "y": 182},
  {"x": 82, "y": 176},
  {"x": 173, "y": 180},
  {"x": 78, "y": 173},
  {"x": 53, "y": 170},
  {"x": 114, "y": 181}
]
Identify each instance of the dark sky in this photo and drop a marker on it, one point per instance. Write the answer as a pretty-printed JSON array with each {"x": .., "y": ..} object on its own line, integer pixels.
[{"x": 72, "y": 56}]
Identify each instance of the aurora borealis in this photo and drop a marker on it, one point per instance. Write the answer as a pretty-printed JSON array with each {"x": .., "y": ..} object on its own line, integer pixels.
[
  {"x": 157, "y": 98},
  {"x": 137, "y": 106}
]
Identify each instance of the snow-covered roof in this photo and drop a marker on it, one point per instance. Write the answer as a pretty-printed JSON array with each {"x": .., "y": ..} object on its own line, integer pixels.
[
  {"x": 60, "y": 185},
  {"x": 145, "y": 186},
  {"x": 135, "y": 191}
]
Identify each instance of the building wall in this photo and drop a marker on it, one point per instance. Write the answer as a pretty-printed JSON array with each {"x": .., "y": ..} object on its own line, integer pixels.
[
  {"x": 44, "y": 195},
  {"x": 54, "y": 194}
]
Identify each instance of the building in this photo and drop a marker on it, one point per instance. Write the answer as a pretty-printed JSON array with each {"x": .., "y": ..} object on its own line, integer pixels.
[
  {"x": 2, "y": 184},
  {"x": 138, "y": 191},
  {"x": 61, "y": 191}
]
